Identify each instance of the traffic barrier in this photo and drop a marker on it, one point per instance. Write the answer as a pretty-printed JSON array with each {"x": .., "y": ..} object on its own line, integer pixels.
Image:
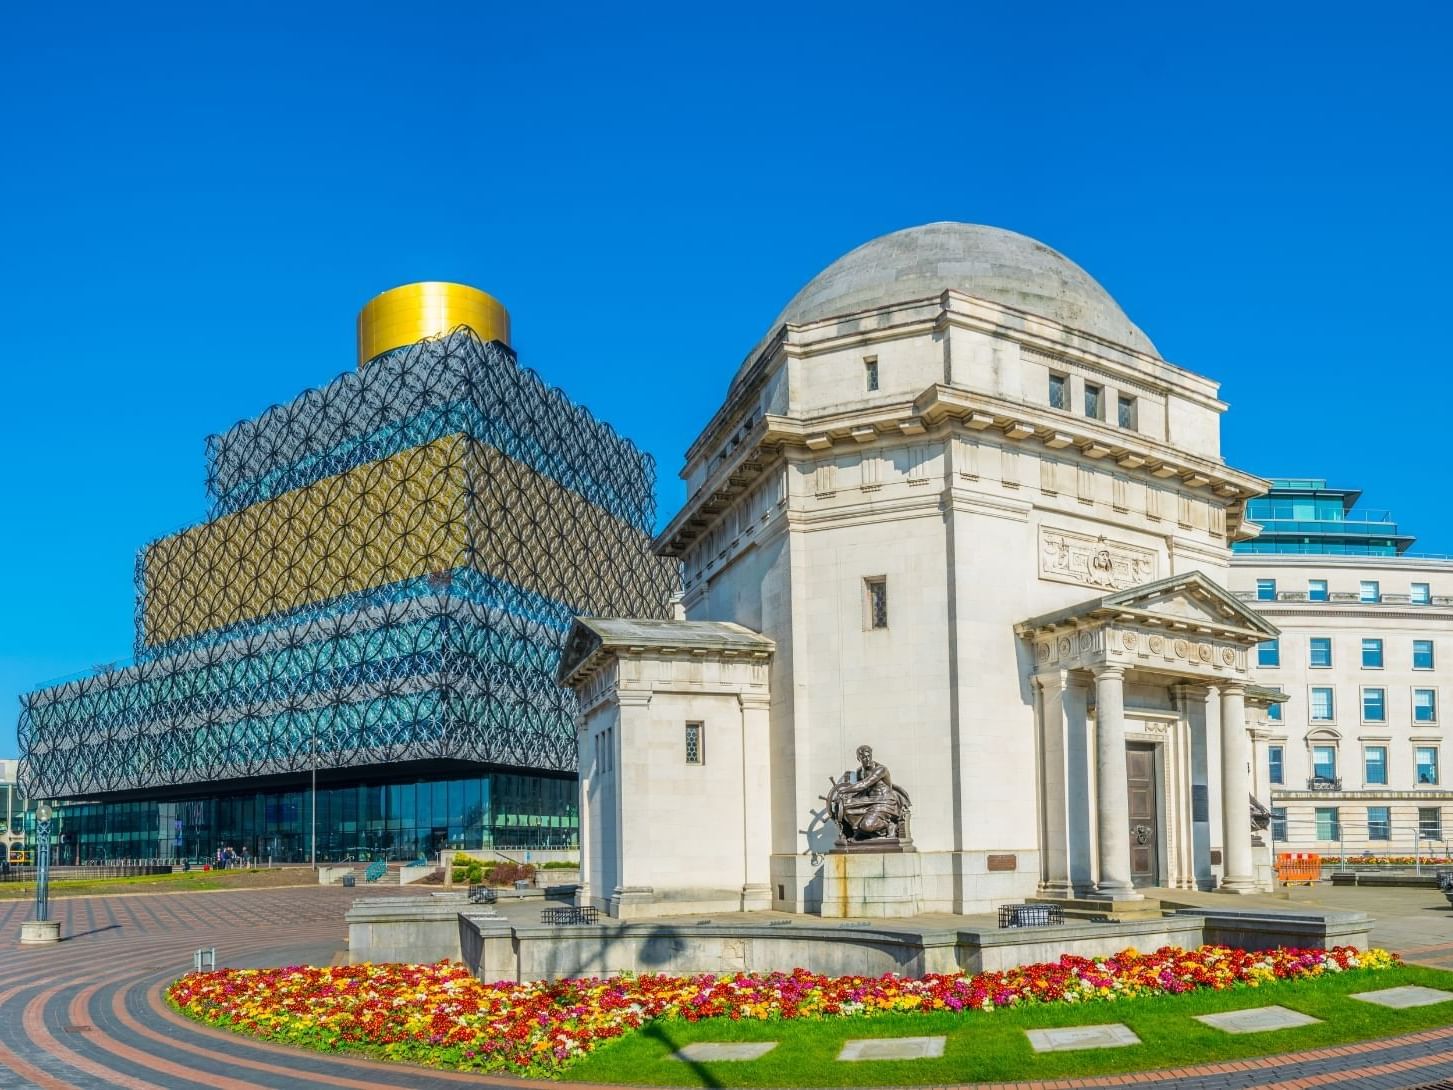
[{"x": 1297, "y": 867}]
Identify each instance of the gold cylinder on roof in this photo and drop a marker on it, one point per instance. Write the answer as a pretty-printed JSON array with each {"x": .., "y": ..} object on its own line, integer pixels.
[{"x": 412, "y": 312}]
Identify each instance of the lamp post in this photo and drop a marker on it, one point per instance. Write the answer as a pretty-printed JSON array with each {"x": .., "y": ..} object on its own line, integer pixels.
[
  {"x": 41, "y": 929},
  {"x": 313, "y": 762}
]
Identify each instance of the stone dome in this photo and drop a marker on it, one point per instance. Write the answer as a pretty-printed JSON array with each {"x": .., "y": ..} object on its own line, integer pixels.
[{"x": 987, "y": 262}]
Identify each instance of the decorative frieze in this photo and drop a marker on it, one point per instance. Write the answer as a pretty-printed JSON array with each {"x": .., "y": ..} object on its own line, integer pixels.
[{"x": 1069, "y": 557}]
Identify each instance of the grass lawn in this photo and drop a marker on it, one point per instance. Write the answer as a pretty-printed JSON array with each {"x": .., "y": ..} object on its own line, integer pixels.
[
  {"x": 992, "y": 1046},
  {"x": 180, "y": 883}
]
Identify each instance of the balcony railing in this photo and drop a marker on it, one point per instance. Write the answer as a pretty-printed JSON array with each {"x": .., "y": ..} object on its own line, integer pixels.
[{"x": 1324, "y": 783}]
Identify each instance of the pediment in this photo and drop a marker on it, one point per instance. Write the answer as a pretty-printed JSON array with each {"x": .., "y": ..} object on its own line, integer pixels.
[{"x": 1190, "y": 601}]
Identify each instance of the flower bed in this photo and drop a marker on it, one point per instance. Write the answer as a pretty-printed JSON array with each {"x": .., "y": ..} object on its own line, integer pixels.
[
  {"x": 1386, "y": 861},
  {"x": 441, "y": 1016}
]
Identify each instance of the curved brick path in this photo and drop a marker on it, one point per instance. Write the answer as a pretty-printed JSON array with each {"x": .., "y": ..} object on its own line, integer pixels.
[{"x": 88, "y": 1014}]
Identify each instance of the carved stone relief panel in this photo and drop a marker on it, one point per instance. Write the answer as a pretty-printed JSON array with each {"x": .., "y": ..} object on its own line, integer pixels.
[
  {"x": 1195, "y": 654},
  {"x": 1069, "y": 557}
]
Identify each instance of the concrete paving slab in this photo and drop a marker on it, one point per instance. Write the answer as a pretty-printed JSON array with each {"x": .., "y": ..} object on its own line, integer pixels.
[
  {"x": 1071, "y": 1038},
  {"x": 1257, "y": 1020},
  {"x": 893, "y": 1048},
  {"x": 713, "y": 1051},
  {"x": 1412, "y": 995}
]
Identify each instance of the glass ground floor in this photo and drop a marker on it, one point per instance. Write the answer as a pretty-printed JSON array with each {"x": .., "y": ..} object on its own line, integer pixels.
[{"x": 380, "y": 817}]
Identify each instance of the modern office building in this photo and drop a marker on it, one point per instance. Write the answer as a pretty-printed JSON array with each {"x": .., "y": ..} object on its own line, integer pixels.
[
  {"x": 375, "y": 605},
  {"x": 16, "y": 815},
  {"x": 1357, "y": 756}
]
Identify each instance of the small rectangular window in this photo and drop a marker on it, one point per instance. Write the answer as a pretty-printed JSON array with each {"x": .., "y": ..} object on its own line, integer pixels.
[
  {"x": 1059, "y": 391},
  {"x": 1126, "y": 413},
  {"x": 1422, "y": 654},
  {"x": 1094, "y": 402},
  {"x": 1374, "y": 705},
  {"x": 1328, "y": 827},
  {"x": 1425, "y": 705},
  {"x": 1430, "y": 822},
  {"x": 1319, "y": 651},
  {"x": 1278, "y": 822},
  {"x": 1374, "y": 765},
  {"x": 1316, "y": 590},
  {"x": 1372, "y": 654},
  {"x": 1379, "y": 823},
  {"x": 694, "y": 749},
  {"x": 1275, "y": 770},
  {"x": 1322, "y": 704},
  {"x": 1324, "y": 762},
  {"x": 1266, "y": 590},
  {"x": 1425, "y": 760},
  {"x": 1268, "y": 653},
  {"x": 1369, "y": 591},
  {"x": 870, "y": 373},
  {"x": 876, "y": 601},
  {"x": 1420, "y": 594}
]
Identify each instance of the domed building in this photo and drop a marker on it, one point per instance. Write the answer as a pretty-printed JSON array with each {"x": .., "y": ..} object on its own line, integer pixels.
[{"x": 957, "y": 508}]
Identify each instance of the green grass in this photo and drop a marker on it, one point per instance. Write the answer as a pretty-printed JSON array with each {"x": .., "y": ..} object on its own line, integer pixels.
[
  {"x": 185, "y": 881},
  {"x": 992, "y": 1046}
]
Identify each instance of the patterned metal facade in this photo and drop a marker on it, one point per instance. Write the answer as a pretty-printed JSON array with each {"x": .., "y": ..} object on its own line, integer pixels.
[{"x": 388, "y": 573}]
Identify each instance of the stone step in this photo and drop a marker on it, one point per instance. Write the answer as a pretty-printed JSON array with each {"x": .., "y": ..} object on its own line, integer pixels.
[{"x": 1097, "y": 908}]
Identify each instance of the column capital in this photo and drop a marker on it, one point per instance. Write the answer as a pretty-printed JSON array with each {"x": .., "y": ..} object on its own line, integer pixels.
[
  {"x": 1108, "y": 672},
  {"x": 1048, "y": 680},
  {"x": 1232, "y": 688}
]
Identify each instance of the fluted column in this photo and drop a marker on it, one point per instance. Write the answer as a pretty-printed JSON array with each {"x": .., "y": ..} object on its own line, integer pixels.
[
  {"x": 1112, "y": 788},
  {"x": 1237, "y": 872}
]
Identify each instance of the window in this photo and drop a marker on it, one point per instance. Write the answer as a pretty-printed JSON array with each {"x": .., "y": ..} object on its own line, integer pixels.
[
  {"x": 1420, "y": 594},
  {"x": 1266, "y": 590},
  {"x": 695, "y": 752},
  {"x": 1379, "y": 823},
  {"x": 1425, "y": 760},
  {"x": 1324, "y": 762},
  {"x": 1322, "y": 704},
  {"x": 1370, "y": 591},
  {"x": 876, "y": 602},
  {"x": 1372, "y": 654},
  {"x": 1126, "y": 414},
  {"x": 870, "y": 373},
  {"x": 1268, "y": 653},
  {"x": 1094, "y": 402},
  {"x": 1059, "y": 391},
  {"x": 1374, "y": 765},
  {"x": 1316, "y": 590},
  {"x": 1275, "y": 771},
  {"x": 1430, "y": 822},
  {"x": 1425, "y": 705},
  {"x": 1319, "y": 651},
  {"x": 1374, "y": 705},
  {"x": 1273, "y": 710},
  {"x": 1422, "y": 654},
  {"x": 1328, "y": 827},
  {"x": 1278, "y": 822}
]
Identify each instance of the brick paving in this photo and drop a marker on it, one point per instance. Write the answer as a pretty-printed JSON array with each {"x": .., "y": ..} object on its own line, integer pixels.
[{"x": 88, "y": 1014}]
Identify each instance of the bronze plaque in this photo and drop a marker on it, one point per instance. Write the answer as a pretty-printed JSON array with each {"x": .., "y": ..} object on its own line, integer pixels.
[{"x": 1003, "y": 862}]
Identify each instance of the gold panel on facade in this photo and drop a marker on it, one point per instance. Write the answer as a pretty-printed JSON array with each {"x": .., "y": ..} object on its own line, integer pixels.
[
  {"x": 407, "y": 314},
  {"x": 448, "y": 504}
]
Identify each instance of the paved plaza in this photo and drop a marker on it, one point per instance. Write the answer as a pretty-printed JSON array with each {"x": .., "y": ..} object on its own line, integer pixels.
[{"x": 88, "y": 1014}]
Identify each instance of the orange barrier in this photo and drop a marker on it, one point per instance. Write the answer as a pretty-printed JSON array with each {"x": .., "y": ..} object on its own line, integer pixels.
[{"x": 1298, "y": 867}]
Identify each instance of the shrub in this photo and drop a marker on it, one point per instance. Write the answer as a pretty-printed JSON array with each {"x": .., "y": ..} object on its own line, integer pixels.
[{"x": 507, "y": 874}]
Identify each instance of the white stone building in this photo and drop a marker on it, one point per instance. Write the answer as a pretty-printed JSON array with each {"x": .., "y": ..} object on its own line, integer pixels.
[
  {"x": 986, "y": 528},
  {"x": 1357, "y": 755}
]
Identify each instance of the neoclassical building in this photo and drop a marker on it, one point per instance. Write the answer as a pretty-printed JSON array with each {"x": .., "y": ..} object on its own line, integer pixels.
[{"x": 981, "y": 525}]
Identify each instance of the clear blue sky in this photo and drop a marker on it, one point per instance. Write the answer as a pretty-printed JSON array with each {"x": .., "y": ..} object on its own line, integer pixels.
[{"x": 194, "y": 203}]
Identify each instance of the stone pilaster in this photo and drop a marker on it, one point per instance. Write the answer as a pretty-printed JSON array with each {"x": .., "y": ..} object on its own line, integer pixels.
[{"x": 1113, "y": 802}]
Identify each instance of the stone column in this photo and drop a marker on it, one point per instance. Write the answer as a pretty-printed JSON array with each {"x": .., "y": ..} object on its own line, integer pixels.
[
  {"x": 756, "y": 802},
  {"x": 1237, "y": 871},
  {"x": 1113, "y": 802},
  {"x": 1055, "y": 851}
]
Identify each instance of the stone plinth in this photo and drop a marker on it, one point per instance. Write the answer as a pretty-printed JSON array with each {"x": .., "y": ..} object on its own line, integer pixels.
[
  {"x": 870, "y": 885},
  {"x": 40, "y": 932}
]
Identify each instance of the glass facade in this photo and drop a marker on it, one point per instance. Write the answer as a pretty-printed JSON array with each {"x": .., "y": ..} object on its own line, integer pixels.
[
  {"x": 399, "y": 819},
  {"x": 1303, "y": 515}
]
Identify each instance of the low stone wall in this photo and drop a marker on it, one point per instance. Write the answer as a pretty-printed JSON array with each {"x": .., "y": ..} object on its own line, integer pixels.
[{"x": 426, "y": 929}]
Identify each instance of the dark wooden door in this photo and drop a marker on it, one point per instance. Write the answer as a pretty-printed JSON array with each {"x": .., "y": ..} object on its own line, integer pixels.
[{"x": 1144, "y": 851}]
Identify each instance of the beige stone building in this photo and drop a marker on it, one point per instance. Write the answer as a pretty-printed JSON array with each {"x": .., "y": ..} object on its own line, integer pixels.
[
  {"x": 1357, "y": 754},
  {"x": 986, "y": 528}
]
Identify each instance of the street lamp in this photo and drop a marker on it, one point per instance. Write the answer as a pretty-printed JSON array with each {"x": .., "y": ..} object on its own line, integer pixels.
[
  {"x": 313, "y": 761},
  {"x": 42, "y": 929}
]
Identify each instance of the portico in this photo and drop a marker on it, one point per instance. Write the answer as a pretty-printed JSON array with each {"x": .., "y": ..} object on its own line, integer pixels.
[{"x": 1140, "y": 706}]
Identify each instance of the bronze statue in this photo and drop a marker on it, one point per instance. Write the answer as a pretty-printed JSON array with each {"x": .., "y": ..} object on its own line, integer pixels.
[{"x": 868, "y": 808}]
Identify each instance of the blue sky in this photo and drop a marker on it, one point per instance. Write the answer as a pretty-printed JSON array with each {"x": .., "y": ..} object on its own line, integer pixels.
[{"x": 194, "y": 203}]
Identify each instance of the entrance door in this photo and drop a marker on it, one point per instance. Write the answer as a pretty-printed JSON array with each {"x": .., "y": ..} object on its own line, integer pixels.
[{"x": 1144, "y": 851}]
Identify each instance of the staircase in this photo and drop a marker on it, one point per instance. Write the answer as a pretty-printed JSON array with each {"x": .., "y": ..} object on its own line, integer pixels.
[{"x": 1104, "y": 909}]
